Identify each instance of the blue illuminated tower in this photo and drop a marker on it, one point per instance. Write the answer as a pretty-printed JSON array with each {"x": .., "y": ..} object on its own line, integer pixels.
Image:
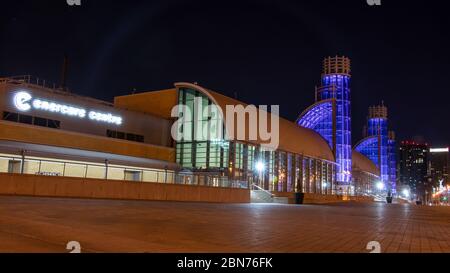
[
  {"x": 376, "y": 144},
  {"x": 330, "y": 116},
  {"x": 392, "y": 157}
]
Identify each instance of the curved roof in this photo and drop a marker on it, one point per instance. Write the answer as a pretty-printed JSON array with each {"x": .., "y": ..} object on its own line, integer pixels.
[
  {"x": 369, "y": 148},
  {"x": 319, "y": 117},
  {"x": 293, "y": 138},
  {"x": 366, "y": 142},
  {"x": 363, "y": 163},
  {"x": 316, "y": 113}
]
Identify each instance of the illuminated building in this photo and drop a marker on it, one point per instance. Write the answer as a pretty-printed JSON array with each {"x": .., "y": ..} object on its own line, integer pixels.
[
  {"x": 330, "y": 116},
  {"x": 392, "y": 159},
  {"x": 413, "y": 161},
  {"x": 50, "y": 132},
  {"x": 439, "y": 166},
  {"x": 438, "y": 174},
  {"x": 295, "y": 166},
  {"x": 379, "y": 146}
]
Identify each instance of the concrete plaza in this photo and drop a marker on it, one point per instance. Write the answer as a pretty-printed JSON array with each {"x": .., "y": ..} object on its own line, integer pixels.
[{"x": 31, "y": 224}]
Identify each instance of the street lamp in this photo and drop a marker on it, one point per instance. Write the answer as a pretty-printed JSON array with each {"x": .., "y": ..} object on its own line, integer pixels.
[
  {"x": 259, "y": 166},
  {"x": 406, "y": 193},
  {"x": 380, "y": 186}
]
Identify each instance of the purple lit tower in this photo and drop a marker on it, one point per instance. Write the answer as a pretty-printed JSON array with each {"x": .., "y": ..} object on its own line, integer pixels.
[
  {"x": 379, "y": 145},
  {"x": 330, "y": 116},
  {"x": 392, "y": 156}
]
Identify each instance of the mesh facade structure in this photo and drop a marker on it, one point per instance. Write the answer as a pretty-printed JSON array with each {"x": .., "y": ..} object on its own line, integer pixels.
[
  {"x": 330, "y": 116},
  {"x": 392, "y": 158},
  {"x": 319, "y": 118},
  {"x": 379, "y": 145}
]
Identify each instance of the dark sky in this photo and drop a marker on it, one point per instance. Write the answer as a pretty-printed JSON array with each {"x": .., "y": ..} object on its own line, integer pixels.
[{"x": 268, "y": 52}]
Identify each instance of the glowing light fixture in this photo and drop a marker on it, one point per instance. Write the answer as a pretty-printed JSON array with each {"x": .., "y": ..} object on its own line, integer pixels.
[
  {"x": 380, "y": 186},
  {"x": 24, "y": 102},
  {"x": 439, "y": 150},
  {"x": 259, "y": 166},
  {"x": 406, "y": 193}
]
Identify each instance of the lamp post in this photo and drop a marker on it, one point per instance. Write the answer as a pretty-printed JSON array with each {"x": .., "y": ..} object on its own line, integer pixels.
[{"x": 260, "y": 169}]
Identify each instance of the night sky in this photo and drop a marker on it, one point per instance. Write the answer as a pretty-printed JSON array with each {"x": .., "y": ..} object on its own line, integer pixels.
[{"x": 266, "y": 52}]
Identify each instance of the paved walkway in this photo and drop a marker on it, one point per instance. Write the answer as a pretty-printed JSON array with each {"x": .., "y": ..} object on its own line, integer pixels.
[{"x": 30, "y": 224}]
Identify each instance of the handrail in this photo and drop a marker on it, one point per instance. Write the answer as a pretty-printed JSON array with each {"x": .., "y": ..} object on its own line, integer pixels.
[{"x": 261, "y": 189}]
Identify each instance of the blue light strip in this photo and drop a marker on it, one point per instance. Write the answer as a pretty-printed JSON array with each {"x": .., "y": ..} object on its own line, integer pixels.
[
  {"x": 376, "y": 148},
  {"x": 338, "y": 86},
  {"x": 392, "y": 148},
  {"x": 320, "y": 119}
]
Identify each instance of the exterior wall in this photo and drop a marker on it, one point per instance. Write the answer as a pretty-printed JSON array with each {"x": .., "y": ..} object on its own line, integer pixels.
[
  {"x": 248, "y": 163},
  {"x": 155, "y": 130},
  {"x": 364, "y": 182},
  {"x": 60, "y": 138},
  {"x": 28, "y": 185},
  {"x": 158, "y": 103}
]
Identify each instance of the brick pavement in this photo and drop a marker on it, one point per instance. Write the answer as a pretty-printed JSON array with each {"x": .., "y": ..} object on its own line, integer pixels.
[{"x": 30, "y": 224}]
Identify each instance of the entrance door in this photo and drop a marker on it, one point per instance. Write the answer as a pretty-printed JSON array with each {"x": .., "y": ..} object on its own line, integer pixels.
[
  {"x": 14, "y": 166},
  {"x": 132, "y": 175}
]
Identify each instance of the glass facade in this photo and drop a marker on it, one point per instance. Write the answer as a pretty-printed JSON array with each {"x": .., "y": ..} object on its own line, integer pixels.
[
  {"x": 392, "y": 159},
  {"x": 380, "y": 150},
  {"x": 197, "y": 150},
  {"x": 69, "y": 168},
  {"x": 320, "y": 119},
  {"x": 369, "y": 148},
  {"x": 245, "y": 164},
  {"x": 364, "y": 182},
  {"x": 335, "y": 88},
  {"x": 378, "y": 127}
]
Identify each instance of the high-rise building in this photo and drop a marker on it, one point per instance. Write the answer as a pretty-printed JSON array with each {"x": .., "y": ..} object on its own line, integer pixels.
[
  {"x": 413, "y": 161},
  {"x": 330, "y": 116},
  {"x": 439, "y": 166}
]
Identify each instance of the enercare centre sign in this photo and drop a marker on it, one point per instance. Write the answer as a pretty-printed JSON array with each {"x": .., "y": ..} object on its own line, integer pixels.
[{"x": 24, "y": 101}]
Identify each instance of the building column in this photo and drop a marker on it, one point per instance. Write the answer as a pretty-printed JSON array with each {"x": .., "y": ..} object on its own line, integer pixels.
[
  {"x": 300, "y": 174},
  {"x": 314, "y": 170},
  {"x": 307, "y": 176},
  {"x": 276, "y": 168},
  {"x": 285, "y": 171},
  {"x": 266, "y": 177}
]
